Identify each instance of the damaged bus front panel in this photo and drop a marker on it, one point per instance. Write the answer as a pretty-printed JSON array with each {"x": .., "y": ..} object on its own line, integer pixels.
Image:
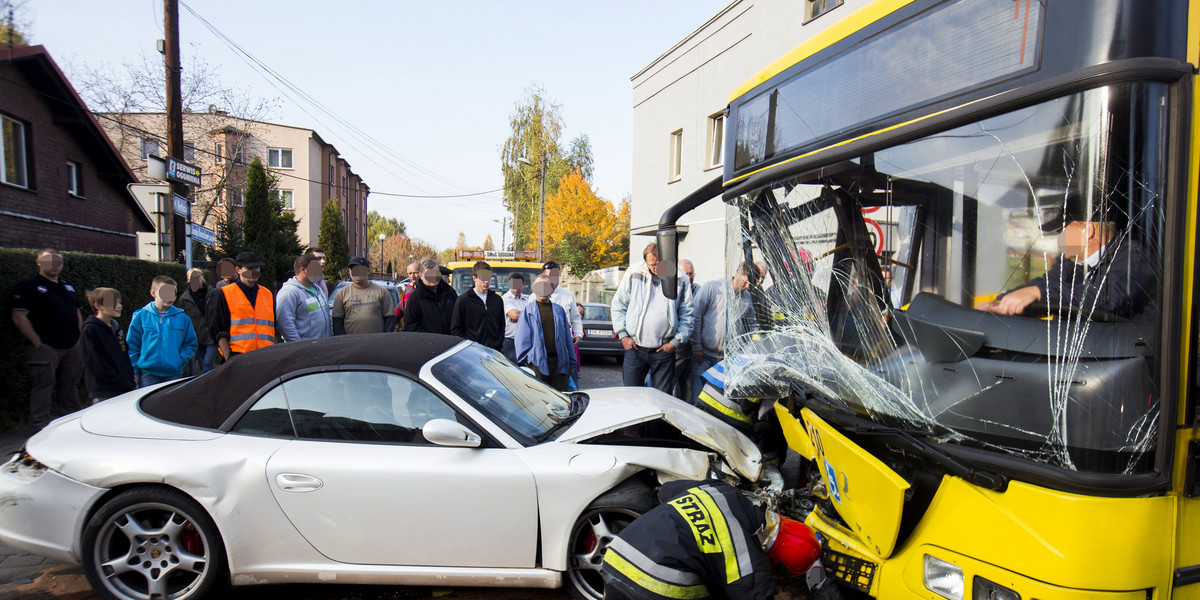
[{"x": 977, "y": 311}]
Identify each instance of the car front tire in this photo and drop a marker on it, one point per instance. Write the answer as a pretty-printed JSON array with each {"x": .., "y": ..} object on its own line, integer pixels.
[
  {"x": 595, "y": 529},
  {"x": 151, "y": 543}
]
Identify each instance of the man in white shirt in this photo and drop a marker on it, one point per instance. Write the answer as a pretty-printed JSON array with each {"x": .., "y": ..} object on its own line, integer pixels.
[{"x": 515, "y": 300}]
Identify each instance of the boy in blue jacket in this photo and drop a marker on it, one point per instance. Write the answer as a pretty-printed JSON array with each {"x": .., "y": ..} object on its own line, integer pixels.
[{"x": 161, "y": 338}]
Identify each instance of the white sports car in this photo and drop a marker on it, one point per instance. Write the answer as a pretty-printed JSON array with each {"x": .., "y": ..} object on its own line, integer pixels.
[{"x": 403, "y": 459}]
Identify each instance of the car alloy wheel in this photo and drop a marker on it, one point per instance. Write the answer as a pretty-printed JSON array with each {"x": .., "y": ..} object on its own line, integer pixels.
[
  {"x": 590, "y": 537},
  {"x": 153, "y": 543}
]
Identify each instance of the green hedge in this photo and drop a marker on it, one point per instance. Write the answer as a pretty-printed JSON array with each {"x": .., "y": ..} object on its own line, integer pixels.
[{"x": 130, "y": 276}]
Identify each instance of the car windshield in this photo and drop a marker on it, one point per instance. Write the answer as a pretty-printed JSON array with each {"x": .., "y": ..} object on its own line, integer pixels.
[
  {"x": 596, "y": 312},
  {"x": 523, "y": 406},
  {"x": 885, "y": 278}
]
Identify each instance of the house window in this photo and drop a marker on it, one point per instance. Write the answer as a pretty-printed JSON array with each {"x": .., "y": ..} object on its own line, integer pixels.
[
  {"x": 279, "y": 158},
  {"x": 235, "y": 196},
  {"x": 816, "y": 8},
  {"x": 676, "y": 165},
  {"x": 218, "y": 152},
  {"x": 716, "y": 140},
  {"x": 149, "y": 148},
  {"x": 287, "y": 197},
  {"x": 15, "y": 166},
  {"x": 74, "y": 179},
  {"x": 218, "y": 198},
  {"x": 235, "y": 153},
  {"x": 343, "y": 216},
  {"x": 189, "y": 152}
]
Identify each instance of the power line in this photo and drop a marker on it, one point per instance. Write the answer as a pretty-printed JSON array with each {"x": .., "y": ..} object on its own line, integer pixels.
[{"x": 272, "y": 76}]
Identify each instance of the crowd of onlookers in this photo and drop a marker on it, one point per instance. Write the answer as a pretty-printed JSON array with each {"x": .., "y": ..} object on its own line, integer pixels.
[{"x": 669, "y": 342}]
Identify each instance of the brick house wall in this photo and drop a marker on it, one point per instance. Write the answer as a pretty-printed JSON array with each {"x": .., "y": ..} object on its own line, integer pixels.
[{"x": 102, "y": 218}]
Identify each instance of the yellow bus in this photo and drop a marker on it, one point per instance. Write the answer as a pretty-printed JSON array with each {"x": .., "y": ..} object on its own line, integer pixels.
[
  {"x": 977, "y": 320},
  {"x": 503, "y": 263}
]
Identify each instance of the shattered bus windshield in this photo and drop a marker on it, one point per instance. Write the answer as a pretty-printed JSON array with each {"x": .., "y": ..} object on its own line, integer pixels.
[{"x": 995, "y": 285}]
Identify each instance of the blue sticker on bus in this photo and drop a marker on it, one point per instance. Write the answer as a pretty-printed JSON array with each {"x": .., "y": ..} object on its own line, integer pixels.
[{"x": 831, "y": 479}]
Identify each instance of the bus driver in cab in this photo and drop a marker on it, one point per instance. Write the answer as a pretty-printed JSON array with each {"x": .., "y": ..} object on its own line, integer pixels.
[{"x": 1101, "y": 271}]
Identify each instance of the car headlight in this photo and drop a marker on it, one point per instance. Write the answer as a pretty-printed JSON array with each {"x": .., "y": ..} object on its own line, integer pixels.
[
  {"x": 24, "y": 465},
  {"x": 943, "y": 578},
  {"x": 983, "y": 589}
]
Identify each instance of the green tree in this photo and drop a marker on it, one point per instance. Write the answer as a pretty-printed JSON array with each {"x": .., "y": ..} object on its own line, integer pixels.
[
  {"x": 580, "y": 157},
  {"x": 229, "y": 236},
  {"x": 269, "y": 229},
  {"x": 536, "y": 126},
  {"x": 332, "y": 239}
]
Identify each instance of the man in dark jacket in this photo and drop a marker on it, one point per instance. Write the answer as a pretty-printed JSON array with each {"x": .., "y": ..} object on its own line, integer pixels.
[
  {"x": 194, "y": 302},
  {"x": 1101, "y": 270},
  {"x": 479, "y": 312},
  {"x": 431, "y": 306},
  {"x": 706, "y": 539}
]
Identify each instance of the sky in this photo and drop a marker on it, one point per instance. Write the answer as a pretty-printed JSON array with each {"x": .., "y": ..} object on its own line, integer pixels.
[{"x": 434, "y": 82}]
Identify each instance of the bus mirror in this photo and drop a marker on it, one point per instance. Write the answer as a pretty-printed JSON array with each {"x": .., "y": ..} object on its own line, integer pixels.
[{"x": 668, "y": 265}]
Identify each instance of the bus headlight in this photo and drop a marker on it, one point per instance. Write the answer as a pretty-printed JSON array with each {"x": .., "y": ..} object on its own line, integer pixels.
[
  {"x": 943, "y": 578},
  {"x": 983, "y": 589}
]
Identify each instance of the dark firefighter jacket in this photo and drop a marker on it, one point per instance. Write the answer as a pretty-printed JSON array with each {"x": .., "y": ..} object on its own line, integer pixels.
[{"x": 699, "y": 543}]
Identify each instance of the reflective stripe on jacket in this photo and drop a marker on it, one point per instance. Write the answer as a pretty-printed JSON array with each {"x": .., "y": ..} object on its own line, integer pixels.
[
  {"x": 251, "y": 326},
  {"x": 700, "y": 542}
]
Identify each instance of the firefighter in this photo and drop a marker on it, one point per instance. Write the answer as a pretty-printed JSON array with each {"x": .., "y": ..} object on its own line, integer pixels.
[
  {"x": 707, "y": 539},
  {"x": 754, "y": 417}
]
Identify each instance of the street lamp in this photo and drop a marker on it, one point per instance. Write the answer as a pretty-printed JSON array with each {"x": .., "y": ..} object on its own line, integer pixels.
[
  {"x": 382, "y": 236},
  {"x": 541, "y": 240},
  {"x": 503, "y": 232}
]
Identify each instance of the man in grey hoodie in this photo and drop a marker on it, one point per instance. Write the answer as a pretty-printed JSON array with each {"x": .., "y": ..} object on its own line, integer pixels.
[{"x": 301, "y": 310}]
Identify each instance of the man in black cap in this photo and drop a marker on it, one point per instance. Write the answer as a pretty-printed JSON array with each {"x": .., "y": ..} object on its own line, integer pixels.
[
  {"x": 242, "y": 315},
  {"x": 1102, "y": 271}
]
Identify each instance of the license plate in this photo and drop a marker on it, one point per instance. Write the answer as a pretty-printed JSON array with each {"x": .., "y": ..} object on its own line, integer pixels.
[{"x": 600, "y": 333}]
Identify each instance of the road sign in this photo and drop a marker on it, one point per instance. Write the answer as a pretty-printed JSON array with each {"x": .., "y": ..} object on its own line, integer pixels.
[
  {"x": 203, "y": 235},
  {"x": 180, "y": 205},
  {"x": 181, "y": 172}
]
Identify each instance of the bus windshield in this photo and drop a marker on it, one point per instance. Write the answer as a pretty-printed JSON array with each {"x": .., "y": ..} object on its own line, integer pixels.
[
  {"x": 996, "y": 285},
  {"x": 461, "y": 280}
]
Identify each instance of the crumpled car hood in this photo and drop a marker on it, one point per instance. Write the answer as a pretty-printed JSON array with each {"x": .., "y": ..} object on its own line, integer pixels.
[{"x": 611, "y": 409}]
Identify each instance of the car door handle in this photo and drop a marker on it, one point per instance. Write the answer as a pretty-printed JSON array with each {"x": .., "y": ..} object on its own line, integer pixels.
[{"x": 295, "y": 482}]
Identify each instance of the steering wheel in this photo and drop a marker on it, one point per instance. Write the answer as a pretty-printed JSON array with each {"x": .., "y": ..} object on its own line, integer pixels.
[{"x": 1067, "y": 311}]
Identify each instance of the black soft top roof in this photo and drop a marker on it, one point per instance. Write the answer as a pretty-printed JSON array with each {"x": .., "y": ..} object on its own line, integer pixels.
[{"x": 209, "y": 400}]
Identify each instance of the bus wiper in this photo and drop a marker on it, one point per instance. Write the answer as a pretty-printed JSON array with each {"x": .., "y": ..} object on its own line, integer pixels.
[
  {"x": 979, "y": 477},
  {"x": 579, "y": 402}
]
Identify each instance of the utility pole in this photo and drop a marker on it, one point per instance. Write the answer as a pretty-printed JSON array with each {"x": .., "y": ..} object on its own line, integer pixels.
[
  {"x": 174, "y": 118},
  {"x": 541, "y": 241}
]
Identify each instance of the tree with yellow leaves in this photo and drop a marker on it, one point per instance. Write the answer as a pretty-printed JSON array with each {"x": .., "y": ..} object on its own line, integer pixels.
[{"x": 583, "y": 229}]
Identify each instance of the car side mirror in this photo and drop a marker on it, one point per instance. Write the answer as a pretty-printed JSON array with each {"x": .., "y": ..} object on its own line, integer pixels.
[{"x": 445, "y": 432}]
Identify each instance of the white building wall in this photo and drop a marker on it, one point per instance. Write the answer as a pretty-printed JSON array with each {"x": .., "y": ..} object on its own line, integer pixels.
[{"x": 680, "y": 90}]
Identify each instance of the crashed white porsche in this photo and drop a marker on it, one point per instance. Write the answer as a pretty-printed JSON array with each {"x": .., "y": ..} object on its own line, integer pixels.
[{"x": 406, "y": 459}]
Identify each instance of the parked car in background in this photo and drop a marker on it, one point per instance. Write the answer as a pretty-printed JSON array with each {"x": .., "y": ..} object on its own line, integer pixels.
[
  {"x": 599, "y": 339},
  {"x": 394, "y": 458}
]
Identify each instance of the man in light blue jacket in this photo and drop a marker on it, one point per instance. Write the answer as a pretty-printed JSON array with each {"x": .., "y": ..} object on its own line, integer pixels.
[
  {"x": 543, "y": 339},
  {"x": 649, "y": 324},
  {"x": 161, "y": 339},
  {"x": 301, "y": 309}
]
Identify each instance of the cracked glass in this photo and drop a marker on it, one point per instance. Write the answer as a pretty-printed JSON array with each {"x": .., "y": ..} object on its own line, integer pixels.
[{"x": 995, "y": 285}]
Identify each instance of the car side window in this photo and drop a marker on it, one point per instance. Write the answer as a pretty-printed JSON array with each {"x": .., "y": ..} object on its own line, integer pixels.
[
  {"x": 363, "y": 406},
  {"x": 269, "y": 416}
]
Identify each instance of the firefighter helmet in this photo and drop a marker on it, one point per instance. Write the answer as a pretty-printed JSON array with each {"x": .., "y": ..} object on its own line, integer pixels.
[{"x": 793, "y": 547}]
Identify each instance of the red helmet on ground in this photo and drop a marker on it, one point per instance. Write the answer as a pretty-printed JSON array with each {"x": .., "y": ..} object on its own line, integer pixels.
[{"x": 793, "y": 547}]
